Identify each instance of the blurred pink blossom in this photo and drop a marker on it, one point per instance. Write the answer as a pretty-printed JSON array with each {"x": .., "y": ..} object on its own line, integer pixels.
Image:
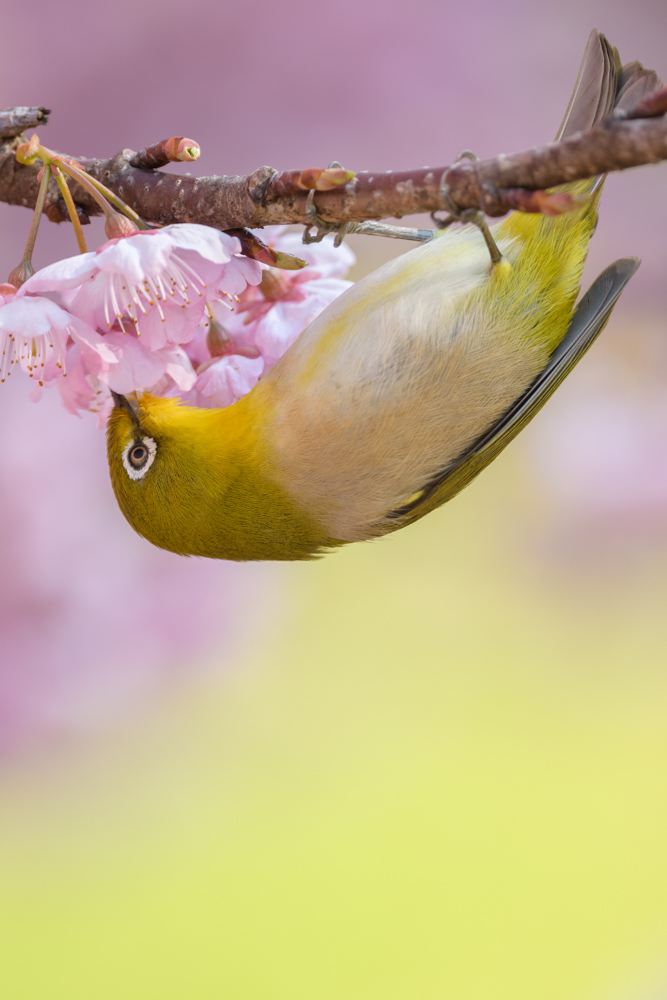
[
  {"x": 329, "y": 261},
  {"x": 94, "y": 619},
  {"x": 602, "y": 461},
  {"x": 608, "y": 457}
]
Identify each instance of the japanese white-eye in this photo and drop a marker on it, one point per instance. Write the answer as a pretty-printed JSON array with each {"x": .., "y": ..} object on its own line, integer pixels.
[{"x": 395, "y": 397}]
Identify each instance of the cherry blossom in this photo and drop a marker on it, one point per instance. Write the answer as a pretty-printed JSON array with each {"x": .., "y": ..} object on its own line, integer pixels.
[
  {"x": 155, "y": 282},
  {"x": 234, "y": 346},
  {"x": 272, "y": 314},
  {"x": 173, "y": 311},
  {"x": 34, "y": 333}
]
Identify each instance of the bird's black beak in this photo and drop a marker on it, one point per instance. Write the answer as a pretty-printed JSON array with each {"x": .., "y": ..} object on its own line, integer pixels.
[{"x": 130, "y": 405}]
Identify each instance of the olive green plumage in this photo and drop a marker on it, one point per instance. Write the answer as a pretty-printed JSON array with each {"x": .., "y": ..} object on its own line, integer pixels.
[
  {"x": 395, "y": 397},
  {"x": 177, "y": 506}
]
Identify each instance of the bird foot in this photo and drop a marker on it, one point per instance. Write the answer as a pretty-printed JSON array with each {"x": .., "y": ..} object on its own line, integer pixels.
[
  {"x": 472, "y": 215},
  {"x": 341, "y": 229}
]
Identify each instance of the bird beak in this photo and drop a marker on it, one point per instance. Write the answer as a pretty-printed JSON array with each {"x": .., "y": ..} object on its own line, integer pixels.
[{"x": 130, "y": 405}]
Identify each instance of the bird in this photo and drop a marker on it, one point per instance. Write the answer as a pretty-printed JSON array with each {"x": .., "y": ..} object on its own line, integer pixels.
[{"x": 397, "y": 396}]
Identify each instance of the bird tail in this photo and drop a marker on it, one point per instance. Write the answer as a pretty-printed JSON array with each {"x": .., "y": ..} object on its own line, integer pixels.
[
  {"x": 602, "y": 85},
  {"x": 553, "y": 249}
]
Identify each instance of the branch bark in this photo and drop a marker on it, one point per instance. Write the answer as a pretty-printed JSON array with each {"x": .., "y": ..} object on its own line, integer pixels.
[
  {"x": 269, "y": 197},
  {"x": 13, "y": 121}
]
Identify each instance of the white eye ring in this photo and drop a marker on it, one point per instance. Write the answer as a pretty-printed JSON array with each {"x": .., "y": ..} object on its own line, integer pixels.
[{"x": 134, "y": 471}]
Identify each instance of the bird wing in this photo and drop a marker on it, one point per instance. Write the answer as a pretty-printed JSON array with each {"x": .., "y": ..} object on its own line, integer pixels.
[{"x": 588, "y": 321}]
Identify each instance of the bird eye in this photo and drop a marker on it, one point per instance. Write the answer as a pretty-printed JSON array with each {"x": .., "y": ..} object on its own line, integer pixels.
[{"x": 138, "y": 457}]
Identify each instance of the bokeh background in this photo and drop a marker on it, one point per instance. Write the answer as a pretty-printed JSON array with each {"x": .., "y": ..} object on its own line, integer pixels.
[{"x": 434, "y": 766}]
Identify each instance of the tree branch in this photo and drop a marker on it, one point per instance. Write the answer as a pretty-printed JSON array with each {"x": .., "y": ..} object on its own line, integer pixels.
[
  {"x": 13, "y": 121},
  {"x": 269, "y": 197}
]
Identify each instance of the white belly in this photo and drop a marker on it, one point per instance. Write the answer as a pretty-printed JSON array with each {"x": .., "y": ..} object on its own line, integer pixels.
[{"x": 393, "y": 381}]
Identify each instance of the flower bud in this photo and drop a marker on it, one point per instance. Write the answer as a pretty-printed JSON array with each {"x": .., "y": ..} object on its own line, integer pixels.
[
  {"x": 21, "y": 273},
  {"x": 116, "y": 226},
  {"x": 272, "y": 286},
  {"x": 27, "y": 152},
  {"x": 217, "y": 339},
  {"x": 180, "y": 149},
  {"x": 288, "y": 262}
]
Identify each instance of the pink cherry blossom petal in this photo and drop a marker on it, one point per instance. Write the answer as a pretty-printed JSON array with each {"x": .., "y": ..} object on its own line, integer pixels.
[
  {"x": 279, "y": 328},
  {"x": 210, "y": 244},
  {"x": 180, "y": 369},
  {"x": 140, "y": 368},
  {"x": 81, "y": 390},
  {"x": 238, "y": 273},
  {"x": 227, "y": 379},
  {"x": 68, "y": 273},
  {"x": 137, "y": 368},
  {"x": 95, "y": 349}
]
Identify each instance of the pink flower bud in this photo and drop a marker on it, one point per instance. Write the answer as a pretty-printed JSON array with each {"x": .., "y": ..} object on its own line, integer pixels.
[
  {"x": 21, "y": 273},
  {"x": 179, "y": 149},
  {"x": 273, "y": 286},
  {"x": 217, "y": 340},
  {"x": 116, "y": 226}
]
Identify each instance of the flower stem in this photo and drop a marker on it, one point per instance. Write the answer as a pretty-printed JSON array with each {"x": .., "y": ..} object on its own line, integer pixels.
[
  {"x": 37, "y": 214},
  {"x": 85, "y": 181},
  {"x": 24, "y": 270},
  {"x": 102, "y": 195},
  {"x": 71, "y": 208},
  {"x": 27, "y": 153}
]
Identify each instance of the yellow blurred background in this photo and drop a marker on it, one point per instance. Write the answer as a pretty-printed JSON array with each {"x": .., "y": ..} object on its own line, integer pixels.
[{"x": 436, "y": 767}]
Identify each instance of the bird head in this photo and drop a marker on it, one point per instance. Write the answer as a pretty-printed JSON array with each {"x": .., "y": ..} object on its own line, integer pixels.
[{"x": 201, "y": 481}]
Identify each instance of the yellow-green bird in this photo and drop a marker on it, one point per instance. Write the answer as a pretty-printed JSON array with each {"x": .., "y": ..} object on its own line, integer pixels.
[{"x": 395, "y": 397}]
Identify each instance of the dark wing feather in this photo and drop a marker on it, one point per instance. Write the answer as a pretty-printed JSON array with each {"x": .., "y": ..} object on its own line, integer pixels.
[{"x": 588, "y": 321}]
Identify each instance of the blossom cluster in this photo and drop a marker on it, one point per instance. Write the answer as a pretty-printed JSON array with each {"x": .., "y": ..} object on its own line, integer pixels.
[{"x": 173, "y": 311}]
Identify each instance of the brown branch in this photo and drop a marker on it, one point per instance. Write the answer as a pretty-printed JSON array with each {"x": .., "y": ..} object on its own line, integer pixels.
[
  {"x": 13, "y": 121},
  {"x": 314, "y": 179},
  {"x": 650, "y": 106},
  {"x": 614, "y": 144},
  {"x": 269, "y": 197}
]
